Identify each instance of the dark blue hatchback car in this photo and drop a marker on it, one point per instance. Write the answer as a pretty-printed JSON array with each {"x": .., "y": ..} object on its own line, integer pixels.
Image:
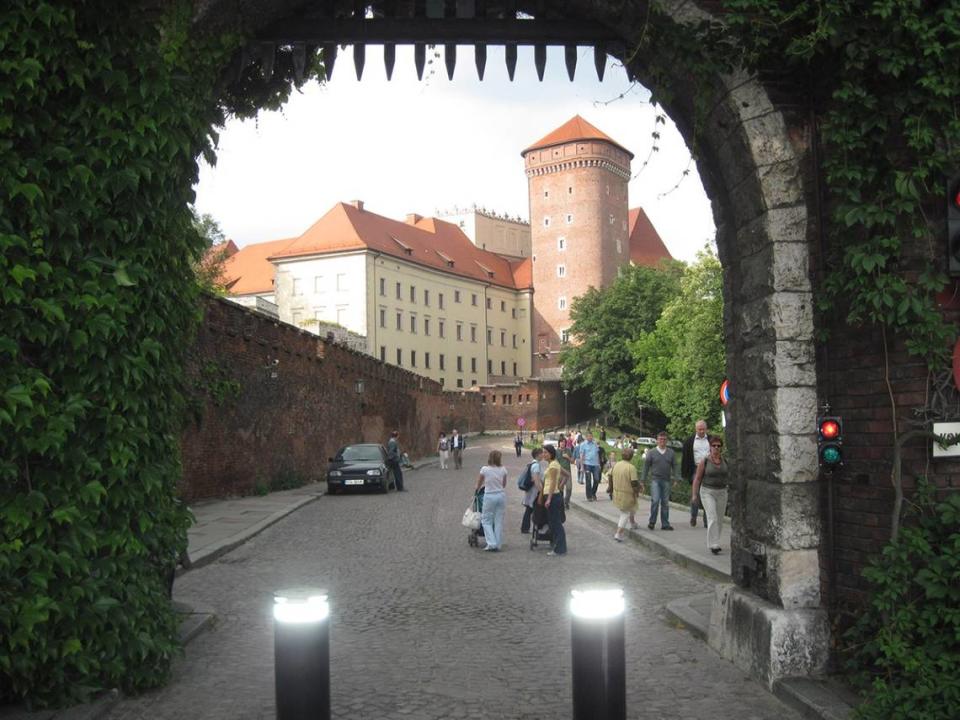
[{"x": 357, "y": 467}]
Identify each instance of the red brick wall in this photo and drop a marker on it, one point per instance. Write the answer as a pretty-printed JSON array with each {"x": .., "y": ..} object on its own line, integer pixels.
[
  {"x": 297, "y": 404},
  {"x": 544, "y": 411}
]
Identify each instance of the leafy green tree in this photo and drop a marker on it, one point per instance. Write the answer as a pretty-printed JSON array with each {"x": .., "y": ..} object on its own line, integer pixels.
[
  {"x": 604, "y": 323},
  {"x": 208, "y": 265},
  {"x": 682, "y": 360}
]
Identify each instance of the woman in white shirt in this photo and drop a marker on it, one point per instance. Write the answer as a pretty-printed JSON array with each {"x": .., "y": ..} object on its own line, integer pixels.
[{"x": 493, "y": 480}]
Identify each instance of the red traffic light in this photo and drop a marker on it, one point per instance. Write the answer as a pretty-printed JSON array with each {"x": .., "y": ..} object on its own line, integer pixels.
[{"x": 829, "y": 429}]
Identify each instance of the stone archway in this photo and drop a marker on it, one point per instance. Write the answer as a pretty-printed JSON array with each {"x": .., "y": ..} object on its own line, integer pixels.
[{"x": 752, "y": 160}]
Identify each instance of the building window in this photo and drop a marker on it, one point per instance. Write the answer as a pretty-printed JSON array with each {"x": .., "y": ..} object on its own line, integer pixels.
[
  {"x": 564, "y": 336},
  {"x": 619, "y": 246},
  {"x": 342, "y": 311},
  {"x": 473, "y": 333},
  {"x": 413, "y": 358},
  {"x": 459, "y": 382},
  {"x": 569, "y": 218},
  {"x": 488, "y": 303},
  {"x": 297, "y": 286},
  {"x": 318, "y": 313},
  {"x": 342, "y": 282},
  {"x": 489, "y": 367},
  {"x": 611, "y": 218},
  {"x": 459, "y": 331},
  {"x": 473, "y": 365},
  {"x": 456, "y": 296},
  {"x": 528, "y": 397},
  {"x": 561, "y": 271},
  {"x": 514, "y": 339},
  {"x": 398, "y": 291},
  {"x": 561, "y": 244},
  {"x": 503, "y": 306},
  {"x": 383, "y": 317},
  {"x": 383, "y": 286},
  {"x": 513, "y": 313},
  {"x": 570, "y": 190},
  {"x": 443, "y": 363},
  {"x": 318, "y": 284},
  {"x": 546, "y": 193},
  {"x": 426, "y": 360},
  {"x": 426, "y": 326},
  {"x": 383, "y": 353},
  {"x": 413, "y": 324},
  {"x": 473, "y": 383},
  {"x": 440, "y": 328},
  {"x": 489, "y": 336},
  {"x": 503, "y": 338},
  {"x": 440, "y": 301},
  {"x": 473, "y": 299},
  {"x": 459, "y": 363},
  {"x": 413, "y": 293},
  {"x": 399, "y": 321},
  {"x": 546, "y": 222},
  {"x": 297, "y": 316},
  {"x": 426, "y": 298},
  {"x": 399, "y": 357},
  {"x": 515, "y": 371},
  {"x": 493, "y": 399},
  {"x": 562, "y": 302},
  {"x": 503, "y": 367}
]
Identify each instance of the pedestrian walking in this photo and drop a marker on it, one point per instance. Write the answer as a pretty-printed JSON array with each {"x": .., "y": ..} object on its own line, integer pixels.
[
  {"x": 710, "y": 485},
  {"x": 658, "y": 463},
  {"x": 552, "y": 499},
  {"x": 518, "y": 444},
  {"x": 393, "y": 459},
  {"x": 457, "y": 445},
  {"x": 589, "y": 454},
  {"x": 695, "y": 449},
  {"x": 565, "y": 458},
  {"x": 443, "y": 450},
  {"x": 529, "y": 499},
  {"x": 493, "y": 480},
  {"x": 626, "y": 490}
]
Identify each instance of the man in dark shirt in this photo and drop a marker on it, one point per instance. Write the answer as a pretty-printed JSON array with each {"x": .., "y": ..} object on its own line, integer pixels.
[{"x": 393, "y": 459}]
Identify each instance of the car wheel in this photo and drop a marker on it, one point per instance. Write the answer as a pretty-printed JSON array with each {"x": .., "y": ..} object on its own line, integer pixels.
[{"x": 385, "y": 484}]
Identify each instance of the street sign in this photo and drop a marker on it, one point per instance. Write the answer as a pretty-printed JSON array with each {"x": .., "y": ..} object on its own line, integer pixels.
[
  {"x": 725, "y": 392},
  {"x": 521, "y": 422}
]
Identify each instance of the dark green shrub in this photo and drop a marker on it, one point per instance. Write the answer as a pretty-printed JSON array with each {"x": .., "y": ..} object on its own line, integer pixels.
[{"x": 905, "y": 646}]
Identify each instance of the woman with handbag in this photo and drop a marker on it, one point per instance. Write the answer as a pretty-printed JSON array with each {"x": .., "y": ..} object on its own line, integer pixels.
[
  {"x": 493, "y": 480},
  {"x": 626, "y": 489},
  {"x": 552, "y": 499},
  {"x": 443, "y": 450}
]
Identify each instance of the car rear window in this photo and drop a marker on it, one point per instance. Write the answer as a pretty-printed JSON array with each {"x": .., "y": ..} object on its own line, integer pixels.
[{"x": 360, "y": 453}]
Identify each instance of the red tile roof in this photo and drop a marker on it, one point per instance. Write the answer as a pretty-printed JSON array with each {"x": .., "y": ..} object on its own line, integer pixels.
[
  {"x": 576, "y": 128},
  {"x": 425, "y": 241},
  {"x": 248, "y": 272},
  {"x": 646, "y": 246}
]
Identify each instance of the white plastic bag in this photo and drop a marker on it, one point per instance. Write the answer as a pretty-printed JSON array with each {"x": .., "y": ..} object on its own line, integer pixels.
[{"x": 471, "y": 519}]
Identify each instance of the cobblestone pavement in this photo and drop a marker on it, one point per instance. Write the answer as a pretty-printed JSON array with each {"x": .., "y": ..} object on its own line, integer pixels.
[{"x": 424, "y": 626}]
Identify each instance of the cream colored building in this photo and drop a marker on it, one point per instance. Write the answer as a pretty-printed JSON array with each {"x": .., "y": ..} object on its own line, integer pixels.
[
  {"x": 490, "y": 231},
  {"x": 423, "y": 296}
]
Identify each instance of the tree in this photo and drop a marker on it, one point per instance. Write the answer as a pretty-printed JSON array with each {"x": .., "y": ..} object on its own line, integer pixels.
[
  {"x": 209, "y": 266},
  {"x": 604, "y": 323},
  {"x": 682, "y": 360}
]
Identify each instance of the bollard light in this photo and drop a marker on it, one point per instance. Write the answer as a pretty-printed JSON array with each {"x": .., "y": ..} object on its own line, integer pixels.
[
  {"x": 302, "y": 654},
  {"x": 598, "y": 653}
]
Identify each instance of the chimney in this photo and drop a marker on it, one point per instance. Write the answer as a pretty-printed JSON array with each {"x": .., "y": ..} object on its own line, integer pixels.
[
  {"x": 358, "y": 204},
  {"x": 413, "y": 218}
]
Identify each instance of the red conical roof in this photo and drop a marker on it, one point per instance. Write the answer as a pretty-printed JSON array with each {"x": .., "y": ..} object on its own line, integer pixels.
[{"x": 576, "y": 128}]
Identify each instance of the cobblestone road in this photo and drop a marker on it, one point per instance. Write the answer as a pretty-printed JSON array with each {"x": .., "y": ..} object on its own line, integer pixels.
[{"x": 424, "y": 626}]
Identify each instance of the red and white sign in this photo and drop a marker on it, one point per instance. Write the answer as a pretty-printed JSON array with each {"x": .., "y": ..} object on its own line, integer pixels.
[
  {"x": 521, "y": 422},
  {"x": 725, "y": 392}
]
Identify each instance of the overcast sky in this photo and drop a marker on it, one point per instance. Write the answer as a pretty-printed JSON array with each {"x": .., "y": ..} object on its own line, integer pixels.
[{"x": 407, "y": 146}]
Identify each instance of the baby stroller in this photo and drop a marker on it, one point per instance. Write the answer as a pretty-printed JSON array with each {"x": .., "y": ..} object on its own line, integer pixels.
[
  {"x": 473, "y": 539},
  {"x": 540, "y": 530}
]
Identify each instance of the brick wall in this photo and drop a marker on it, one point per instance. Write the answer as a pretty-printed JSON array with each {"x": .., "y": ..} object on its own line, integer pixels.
[
  {"x": 297, "y": 404},
  {"x": 543, "y": 411}
]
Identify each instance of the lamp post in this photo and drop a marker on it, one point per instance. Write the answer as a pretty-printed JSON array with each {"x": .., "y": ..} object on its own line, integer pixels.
[
  {"x": 302, "y": 654},
  {"x": 598, "y": 653},
  {"x": 565, "y": 393}
]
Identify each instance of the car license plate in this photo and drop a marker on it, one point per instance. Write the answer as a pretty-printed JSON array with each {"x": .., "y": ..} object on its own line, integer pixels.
[{"x": 354, "y": 481}]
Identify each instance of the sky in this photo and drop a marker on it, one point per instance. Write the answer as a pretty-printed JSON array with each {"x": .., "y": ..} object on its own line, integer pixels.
[{"x": 429, "y": 146}]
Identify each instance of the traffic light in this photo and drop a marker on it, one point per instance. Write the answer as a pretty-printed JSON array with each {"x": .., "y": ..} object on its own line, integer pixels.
[
  {"x": 953, "y": 225},
  {"x": 830, "y": 441}
]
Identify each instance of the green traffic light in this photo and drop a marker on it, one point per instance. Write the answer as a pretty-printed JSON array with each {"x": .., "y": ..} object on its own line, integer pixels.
[{"x": 831, "y": 455}]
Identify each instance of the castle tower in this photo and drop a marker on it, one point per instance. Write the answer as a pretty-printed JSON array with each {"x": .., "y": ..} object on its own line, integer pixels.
[{"x": 579, "y": 227}]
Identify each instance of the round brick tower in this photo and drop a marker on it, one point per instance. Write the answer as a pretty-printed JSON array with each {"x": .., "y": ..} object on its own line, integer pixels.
[{"x": 578, "y": 223}]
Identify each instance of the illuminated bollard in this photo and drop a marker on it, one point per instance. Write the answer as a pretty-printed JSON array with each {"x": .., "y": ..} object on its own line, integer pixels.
[
  {"x": 302, "y": 654},
  {"x": 598, "y": 654}
]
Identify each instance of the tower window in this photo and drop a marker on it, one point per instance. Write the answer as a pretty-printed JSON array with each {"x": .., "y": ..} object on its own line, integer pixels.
[
  {"x": 546, "y": 222},
  {"x": 619, "y": 246},
  {"x": 570, "y": 190},
  {"x": 546, "y": 193},
  {"x": 562, "y": 302},
  {"x": 561, "y": 244},
  {"x": 569, "y": 218},
  {"x": 561, "y": 271}
]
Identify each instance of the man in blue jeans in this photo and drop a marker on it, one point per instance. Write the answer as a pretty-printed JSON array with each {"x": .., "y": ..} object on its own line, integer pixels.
[
  {"x": 393, "y": 459},
  {"x": 658, "y": 467},
  {"x": 590, "y": 461}
]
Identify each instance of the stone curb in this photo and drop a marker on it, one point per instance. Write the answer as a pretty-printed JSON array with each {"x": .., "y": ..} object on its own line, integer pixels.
[
  {"x": 689, "y": 618},
  {"x": 680, "y": 556},
  {"x": 816, "y": 699},
  {"x": 208, "y": 555}
]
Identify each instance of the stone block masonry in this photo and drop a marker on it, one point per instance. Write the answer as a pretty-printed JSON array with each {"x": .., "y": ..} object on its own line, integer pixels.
[{"x": 272, "y": 401}]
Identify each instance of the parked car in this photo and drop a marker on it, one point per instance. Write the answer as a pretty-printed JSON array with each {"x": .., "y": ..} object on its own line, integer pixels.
[{"x": 357, "y": 467}]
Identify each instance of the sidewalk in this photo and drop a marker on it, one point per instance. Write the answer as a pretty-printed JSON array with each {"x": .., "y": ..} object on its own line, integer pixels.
[{"x": 686, "y": 546}]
